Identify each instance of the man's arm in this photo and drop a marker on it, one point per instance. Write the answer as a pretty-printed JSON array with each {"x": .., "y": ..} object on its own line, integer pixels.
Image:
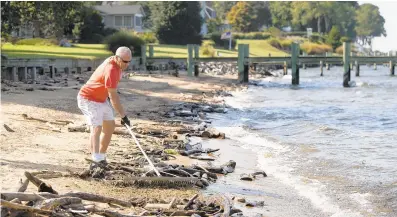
[{"x": 115, "y": 100}]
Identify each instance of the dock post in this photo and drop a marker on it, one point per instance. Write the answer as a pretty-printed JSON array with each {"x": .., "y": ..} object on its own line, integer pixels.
[
  {"x": 357, "y": 68},
  {"x": 246, "y": 65},
  {"x": 78, "y": 70},
  {"x": 66, "y": 69},
  {"x": 14, "y": 74},
  {"x": 294, "y": 63},
  {"x": 190, "y": 60},
  {"x": 321, "y": 68},
  {"x": 196, "y": 56},
  {"x": 303, "y": 64},
  {"x": 375, "y": 66},
  {"x": 346, "y": 64},
  {"x": 25, "y": 74},
  {"x": 151, "y": 51},
  {"x": 143, "y": 57},
  {"x": 392, "y": 67},
  {"x": 240, "y": 62},
  {"x": 285, "y": 68},
  {"x": 34, "y": 73}
]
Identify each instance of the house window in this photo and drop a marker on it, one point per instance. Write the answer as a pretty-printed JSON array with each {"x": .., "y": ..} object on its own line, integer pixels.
[
  {"x": 118, "y": 20},
  {"x": 127, "y": 20},
  {"x": 138, "y": 21}
]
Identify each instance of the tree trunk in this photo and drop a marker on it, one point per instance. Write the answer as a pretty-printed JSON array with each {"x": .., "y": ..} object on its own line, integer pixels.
[
  {"x": 319, "y": 24},
  {"x": 327, "y": 22}
]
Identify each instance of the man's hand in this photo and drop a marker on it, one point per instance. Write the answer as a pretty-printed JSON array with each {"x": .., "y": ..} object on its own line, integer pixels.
[{"x": 125, "y": 120}]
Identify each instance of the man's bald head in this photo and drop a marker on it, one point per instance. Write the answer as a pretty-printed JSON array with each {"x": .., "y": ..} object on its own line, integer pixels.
[{"x": 124, "y": 53}]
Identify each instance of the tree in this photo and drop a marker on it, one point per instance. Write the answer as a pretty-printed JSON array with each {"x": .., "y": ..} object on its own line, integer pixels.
[
  {"x": 47, "y": 18},
  {"x": 262, "y": 12},
  {"x": 370, "y": 23},
  {"x": 281, "y": 13},
  {"x": 333, "y": 38},
  {"x": 91, "y": 28},
  {"x": 242, "y": 17},
  {"x": 222, "y": 8},
  {"x": 177, "y": 22}
]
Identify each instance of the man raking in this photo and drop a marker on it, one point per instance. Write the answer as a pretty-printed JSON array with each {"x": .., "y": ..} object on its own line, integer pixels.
[{"x": 94, "y": 104}]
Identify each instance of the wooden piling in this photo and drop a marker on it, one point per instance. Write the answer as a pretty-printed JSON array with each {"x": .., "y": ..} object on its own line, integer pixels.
[
  {"x": 357, "y": 68},
  {"x": 303, "y": 64},
  {"x": 375, "y": 68},
  {"x": 25, "y": 74},
  {"x": 78, "y": 70},
  {"x": 327, "y": 66},
  {"x": 143, "y": 57},
  {"x": 321, "y": 68},
  {"x": 151, "y": 51},
  {"x": 190, "y": 64},
  {"x": 346, "y": 64},
  {"x": 196, "y": 51},
  {"x": 240, "y": 62},
  {"x": 392, "y": 67},
  {"x": 34, "y": 73},
  {"x": 246, "y": 65},
  {"x": 294, "y": 63},
  {"x": 285, "y": 68},
  {"x": 66, "y": 69},
  {"x": 14, "y": 74},
  {"x": 196, "y": 56}
]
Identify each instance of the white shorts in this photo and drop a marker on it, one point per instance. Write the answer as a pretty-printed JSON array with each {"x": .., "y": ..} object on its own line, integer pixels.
[{"x": 95, "y": 112}]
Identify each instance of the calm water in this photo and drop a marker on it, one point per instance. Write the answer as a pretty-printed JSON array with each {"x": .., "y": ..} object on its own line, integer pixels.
[{"x": 336, "y": 146}]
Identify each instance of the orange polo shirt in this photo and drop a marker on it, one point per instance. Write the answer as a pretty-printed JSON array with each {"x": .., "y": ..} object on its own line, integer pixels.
[{"x": 107, "y": 75}]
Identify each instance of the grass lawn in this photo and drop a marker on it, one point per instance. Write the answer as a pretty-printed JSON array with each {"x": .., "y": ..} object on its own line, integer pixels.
[
  {"x": 257, "y": 48},
  {"x": 92, "y": 51},
  {"x": 79, "y": 51}
]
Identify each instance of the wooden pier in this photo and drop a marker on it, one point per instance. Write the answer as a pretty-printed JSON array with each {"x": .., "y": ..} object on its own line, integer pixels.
[{"x": 17, "y": 69}]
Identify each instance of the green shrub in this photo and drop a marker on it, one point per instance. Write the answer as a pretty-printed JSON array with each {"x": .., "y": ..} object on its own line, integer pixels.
[
  {"x": 275, "y": 32},
  {"x": 345, "y": 39},
  {"x": 207, "y": 50},
  {"x": 334, "y": 37},
  {"x": 274, "y": 42},
  {"x": 317, "y": 39},
  {"x": 282, "y": 44},
  {"x": 109, "y": 31},
  {"x": 208, "y": 42},
  {"x": 148, "y": 37},
  {"x": 124, "y": 39},
  {"x": 216, "y": 37},
  {"x": 313, "y": 49},
  {"x": 251, "y": 35},
  {"x": 97, "y": 38},
  {"x": 37, "y": 41}
]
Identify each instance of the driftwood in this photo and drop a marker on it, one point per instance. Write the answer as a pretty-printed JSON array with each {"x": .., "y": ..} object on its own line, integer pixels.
[
  {"x": 59, "y": 122},
  {"x": 42, "y": 186},
  {"x": 50, "y": 204},
  {"x": 208, "y": 158},
  {"x": 191, "y": 171},
  {"x": 212, "y": 133},
  {"x": 224, "y": 168},
  {"x": 97, "y": 198},
  {"x": 22, "y": 196},
  {"x": 8, "y": 128},
  {"x": 17, "y": 206},
  {"x": 160, "y": 205},
  {"x": 190, "y": 202},
  {"x": 86, "y": 129},
  {"x": 196, "y": 151},
  {"x": 23, "y": 185}
]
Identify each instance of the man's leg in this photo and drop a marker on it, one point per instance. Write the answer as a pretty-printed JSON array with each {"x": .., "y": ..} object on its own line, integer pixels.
[
  {"x": 95, "y": 132},
  {"x": 108, "y": 127},
  {"x": 106, "y": 136}
]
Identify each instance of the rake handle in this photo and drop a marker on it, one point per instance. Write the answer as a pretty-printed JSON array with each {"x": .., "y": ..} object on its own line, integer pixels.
[{"x": 143, "y": 152}]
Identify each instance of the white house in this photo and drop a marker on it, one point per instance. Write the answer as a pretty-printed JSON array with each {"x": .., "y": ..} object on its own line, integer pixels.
[{"x": 122, "y": 16}]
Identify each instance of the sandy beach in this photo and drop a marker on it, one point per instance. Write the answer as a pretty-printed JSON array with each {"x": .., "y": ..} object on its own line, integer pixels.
[{"x": 34, "y": 146}]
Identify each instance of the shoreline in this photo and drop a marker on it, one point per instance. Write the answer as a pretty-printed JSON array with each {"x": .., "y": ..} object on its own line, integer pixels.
[{"x": 147, "y": 98}]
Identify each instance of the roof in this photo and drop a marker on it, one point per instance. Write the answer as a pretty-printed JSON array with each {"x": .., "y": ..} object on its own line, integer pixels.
[{"x": 120, "y": 9}]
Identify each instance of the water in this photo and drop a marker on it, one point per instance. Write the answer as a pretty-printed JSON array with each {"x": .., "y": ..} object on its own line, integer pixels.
[{"x": 336, "y": 146}]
